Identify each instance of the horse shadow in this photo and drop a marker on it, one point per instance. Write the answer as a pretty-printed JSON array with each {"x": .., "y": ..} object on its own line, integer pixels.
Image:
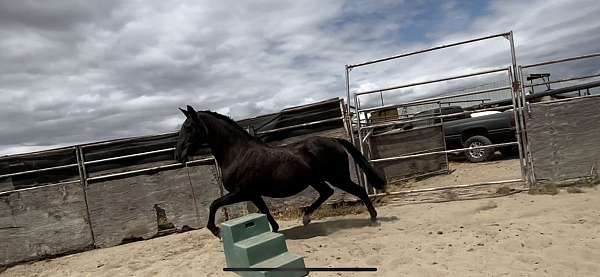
[{"x": 325, "y": 228}]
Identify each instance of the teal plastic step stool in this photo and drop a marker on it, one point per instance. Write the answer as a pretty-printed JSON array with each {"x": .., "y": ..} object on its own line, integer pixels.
[{"x": 249, "y": 243}]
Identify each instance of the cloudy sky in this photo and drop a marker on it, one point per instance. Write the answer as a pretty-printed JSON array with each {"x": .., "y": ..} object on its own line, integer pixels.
[{"x": 82, "y": 71}]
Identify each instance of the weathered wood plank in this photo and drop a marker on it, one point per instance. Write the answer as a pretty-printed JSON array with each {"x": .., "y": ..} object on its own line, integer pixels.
[
  {"x": 43, "y": 221},
  {"x": 129, "y": 208},
  {"x": 564, "y": 138}
]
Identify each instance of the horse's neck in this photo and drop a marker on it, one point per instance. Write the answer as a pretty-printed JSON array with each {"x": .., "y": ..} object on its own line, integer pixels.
[{"x": 225, "y": 141}]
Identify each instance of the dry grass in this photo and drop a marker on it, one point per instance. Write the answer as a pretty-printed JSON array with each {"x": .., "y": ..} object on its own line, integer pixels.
[
  {"x": 550, "y": 189},
  {"x": 326, "y": 210}
]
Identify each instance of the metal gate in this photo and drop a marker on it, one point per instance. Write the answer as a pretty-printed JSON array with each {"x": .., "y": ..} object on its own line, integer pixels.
[
  {"x": 432, "y": 124},
  {"x": 562, "y": 123}
]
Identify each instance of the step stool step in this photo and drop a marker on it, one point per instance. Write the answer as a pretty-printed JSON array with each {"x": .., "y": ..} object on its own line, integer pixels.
[
  {"x": 244, "y": 227},
  {"x": 259, "y": 248},
  {"x": 284, "y": 260}
]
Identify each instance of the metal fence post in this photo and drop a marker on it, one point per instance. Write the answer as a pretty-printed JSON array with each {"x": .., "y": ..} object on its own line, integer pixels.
[{"x": 84, "y": 185}]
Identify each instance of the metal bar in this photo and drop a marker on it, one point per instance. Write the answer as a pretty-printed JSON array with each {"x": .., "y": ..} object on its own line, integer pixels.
[
  {"x": 419, "y": 176},
  {"x": 349, "y": 118},
  {"x": 514, "y": 96},
  {"x": 441, "y": 152},
  {"x": 344, "y": 116},
  {"x": 396, "y": 122},
  {"x": 38, "y": 170},
  {"x": 425, "y": 151},
  {"x": 83, "y": 184},
  {"x": 523, "y": 147},
  {"x": 435, "y": 99},
  {"x": 81, "y": 162},
  {"x": 593, "y": 55},
  {"x": 79, "y": 166},
  {"x": 349, "y": 128},
  {"x": 564, "y": 80},
  {"x": 369, "y": 133},
  {"x": 444, "y": 138},
  {"x": 130, "y": 156},
  {"x": 426, "y": 50},
  {"x": 361, "y": 177},
  {"x": 571, "y": 98},
  {"x": 466, "y": 101},
  {"x": 448, "y": 187},
  {"x": 124, "y": 139},
  {"x": 36, "y": 152},
  {"x": 522, "y": 100},
  {"x": 433, "y": 81},
  {"x": 513, "y": 55},
  {"x": 348, "y": 107},
  {"x": 38, "y": 187},
  {"x": 95, "y": 178},
  {"x": 397, "y": 131},
  {"x": 300, "y": 125}
]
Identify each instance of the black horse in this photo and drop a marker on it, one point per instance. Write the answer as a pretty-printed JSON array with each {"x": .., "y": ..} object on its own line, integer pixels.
[{"x": 252, "y": 169}]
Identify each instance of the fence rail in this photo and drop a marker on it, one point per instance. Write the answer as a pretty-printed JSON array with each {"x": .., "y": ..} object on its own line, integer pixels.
[
  {"x": 434, "y": 99},
  {"x": 82, "y": 163},
  {"x": 496, "y": 70}
]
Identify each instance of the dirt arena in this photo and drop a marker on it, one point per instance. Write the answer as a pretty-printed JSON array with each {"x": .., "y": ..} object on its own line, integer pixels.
[{"x": 516, "y": 235}]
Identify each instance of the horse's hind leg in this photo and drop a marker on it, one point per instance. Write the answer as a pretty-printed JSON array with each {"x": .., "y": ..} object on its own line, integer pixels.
[
  {"x": 325, "y": 191},
  {"x": 358, "y": 191},
  {"x": 262, "y": 207}
]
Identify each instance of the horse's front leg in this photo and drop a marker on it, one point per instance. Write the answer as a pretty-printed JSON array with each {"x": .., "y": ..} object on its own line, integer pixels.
[
  {"x": 227, "y": 199},
  {"x": 262, "y": 207}
]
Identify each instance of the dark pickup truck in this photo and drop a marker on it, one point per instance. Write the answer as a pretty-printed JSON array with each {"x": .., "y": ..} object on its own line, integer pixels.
[{"x": 464, "y": 130}]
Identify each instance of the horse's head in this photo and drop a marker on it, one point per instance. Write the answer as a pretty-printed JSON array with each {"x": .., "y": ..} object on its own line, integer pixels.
[{"x": 192, "y": 134}]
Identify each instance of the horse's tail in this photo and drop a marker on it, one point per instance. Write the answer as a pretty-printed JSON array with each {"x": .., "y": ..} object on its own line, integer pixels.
[{"x": 374, "y": 179}]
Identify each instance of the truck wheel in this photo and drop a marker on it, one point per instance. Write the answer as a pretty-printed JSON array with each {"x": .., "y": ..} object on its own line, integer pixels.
[{"x": 478, "y": 155}]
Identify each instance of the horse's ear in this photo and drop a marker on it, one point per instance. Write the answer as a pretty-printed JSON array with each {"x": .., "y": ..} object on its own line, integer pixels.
[
  {"x": 184, "y": 112},
  {"x": 192, "y": 114}
]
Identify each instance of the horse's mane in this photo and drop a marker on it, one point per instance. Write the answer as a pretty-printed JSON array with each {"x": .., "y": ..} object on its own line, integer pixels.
[{"x": 228, "y": 120}]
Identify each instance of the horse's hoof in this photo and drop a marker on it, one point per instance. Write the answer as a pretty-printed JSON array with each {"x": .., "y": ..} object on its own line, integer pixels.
[
  {"x": 306, "y": 219},
  {"x": 374, "y": 222}
]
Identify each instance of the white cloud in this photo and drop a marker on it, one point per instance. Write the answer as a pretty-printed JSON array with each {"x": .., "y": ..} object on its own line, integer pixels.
[{"x": 80, "y": 71}]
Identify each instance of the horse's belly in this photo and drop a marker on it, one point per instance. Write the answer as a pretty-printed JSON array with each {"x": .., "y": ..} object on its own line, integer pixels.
[{"x": 282, "y": 190}]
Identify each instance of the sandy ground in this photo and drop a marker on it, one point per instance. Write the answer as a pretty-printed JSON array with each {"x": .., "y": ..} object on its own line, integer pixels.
[
  {"x": 517, "y": 235},
  {"x": 468, "y": 173},
  {"x": 462, "y": 172}
]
